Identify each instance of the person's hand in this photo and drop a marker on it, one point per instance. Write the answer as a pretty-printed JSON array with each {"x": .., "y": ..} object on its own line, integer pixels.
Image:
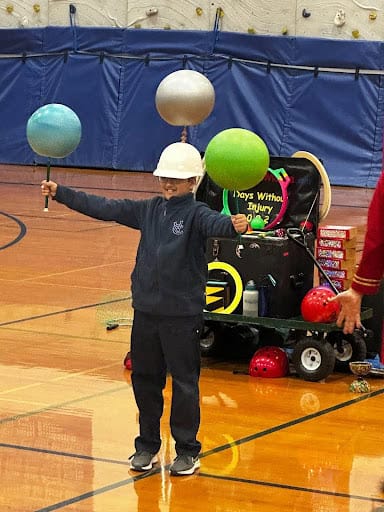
[
  {"x": 240, "y": 223},
  {"x": 48, "y": 188},
  {"x": 349, "y": 316}
]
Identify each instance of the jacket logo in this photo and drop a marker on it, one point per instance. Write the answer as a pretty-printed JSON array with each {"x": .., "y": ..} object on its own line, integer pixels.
[{"x": 178, "y": 228}]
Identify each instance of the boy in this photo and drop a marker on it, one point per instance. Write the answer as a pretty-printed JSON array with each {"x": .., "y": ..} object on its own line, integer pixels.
[{"x": 168, "y": 296}]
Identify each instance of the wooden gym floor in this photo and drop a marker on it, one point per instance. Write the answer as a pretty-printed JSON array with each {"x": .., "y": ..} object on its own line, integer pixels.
[{"x": 67, "y": 413}]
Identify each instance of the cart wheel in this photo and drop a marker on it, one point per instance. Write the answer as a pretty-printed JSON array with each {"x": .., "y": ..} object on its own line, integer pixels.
[
  {"x": 347, "y": 348},
  {"x": 313, "y": 359},
  {"x": 210, "y": 340}
]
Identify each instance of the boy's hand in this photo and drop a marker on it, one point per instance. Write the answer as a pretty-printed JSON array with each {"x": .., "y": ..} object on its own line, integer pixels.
[
  {"x": 239, "y": 222},
  {"x": 48, "y": 188}
]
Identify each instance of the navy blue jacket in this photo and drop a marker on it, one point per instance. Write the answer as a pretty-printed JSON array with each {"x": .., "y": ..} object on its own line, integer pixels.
[{"x": 171, "y": 270}]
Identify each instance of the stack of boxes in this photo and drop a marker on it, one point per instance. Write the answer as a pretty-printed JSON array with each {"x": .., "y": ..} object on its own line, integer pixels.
[{"x": 336, "y": 254}]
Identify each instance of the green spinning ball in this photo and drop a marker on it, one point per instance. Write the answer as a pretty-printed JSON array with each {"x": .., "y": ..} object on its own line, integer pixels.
[{"x": 236, "y": 159}]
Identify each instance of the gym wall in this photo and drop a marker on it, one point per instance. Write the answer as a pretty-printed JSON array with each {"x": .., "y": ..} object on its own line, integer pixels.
[{"x": 319, "y": 94}]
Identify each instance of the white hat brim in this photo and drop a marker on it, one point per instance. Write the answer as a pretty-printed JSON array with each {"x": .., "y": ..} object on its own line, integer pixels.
[{"x": 181, "y": 175}]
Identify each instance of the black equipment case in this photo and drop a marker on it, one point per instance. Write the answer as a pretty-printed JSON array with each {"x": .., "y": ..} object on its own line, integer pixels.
[
  {"x": 281, "y": 269},
  {"x": 303, "y": 192}
]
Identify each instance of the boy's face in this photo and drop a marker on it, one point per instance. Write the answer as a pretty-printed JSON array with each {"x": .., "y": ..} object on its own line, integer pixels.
[{"x": 172, "y": 187}]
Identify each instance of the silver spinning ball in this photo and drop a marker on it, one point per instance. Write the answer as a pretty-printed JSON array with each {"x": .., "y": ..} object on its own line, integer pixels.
[{"x": 185, "y": 98}]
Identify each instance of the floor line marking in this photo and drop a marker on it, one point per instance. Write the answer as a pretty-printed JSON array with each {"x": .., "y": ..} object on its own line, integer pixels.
[
  {"x": 57, "y": 379},
  {"x": 83, "y": 269},
  {"x": 61, "y": 405},
  {"x": 69, "y": 310}
]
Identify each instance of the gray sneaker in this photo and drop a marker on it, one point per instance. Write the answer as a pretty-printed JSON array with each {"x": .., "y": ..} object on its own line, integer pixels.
[
  {"x": 142, "y": 461},
  {"x": 184, "y": 465}
]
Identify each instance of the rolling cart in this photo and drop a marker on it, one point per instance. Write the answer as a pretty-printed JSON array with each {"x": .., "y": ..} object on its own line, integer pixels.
[
  {"x": 276, "y": 259},
  {"x": 317, "y": 349},
  {"x": 283, "y": 273}
]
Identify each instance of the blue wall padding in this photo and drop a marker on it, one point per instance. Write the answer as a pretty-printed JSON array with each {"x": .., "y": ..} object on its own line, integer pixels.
[{"x": 268, "y": 84}]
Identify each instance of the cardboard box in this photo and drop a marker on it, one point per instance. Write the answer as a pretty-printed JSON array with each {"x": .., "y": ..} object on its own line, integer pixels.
[
  {"x": 340, "y": 274},
  {"x": 340, "y": 284},
  {"x": 343, "y": 232},
  {"x": 336, "y": 243},
  {"x": 336, "y": 254},
  {"x": 331, "y": 264}
]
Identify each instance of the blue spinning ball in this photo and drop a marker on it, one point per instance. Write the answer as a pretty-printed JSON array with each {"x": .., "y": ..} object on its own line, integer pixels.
[{"x": 54, "y": 130}]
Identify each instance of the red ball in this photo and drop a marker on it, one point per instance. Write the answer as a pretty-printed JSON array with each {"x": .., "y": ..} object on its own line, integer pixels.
[
  {"x": 128, "y": 361},
  {"x": 316, "y": 308},
  {"x": 269, "y": 362}
]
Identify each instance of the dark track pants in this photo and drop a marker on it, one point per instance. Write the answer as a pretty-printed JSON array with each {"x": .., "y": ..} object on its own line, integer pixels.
[{"x": 160, "y": 344}]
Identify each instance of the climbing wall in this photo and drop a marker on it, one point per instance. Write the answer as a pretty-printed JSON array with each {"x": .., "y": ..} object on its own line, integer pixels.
[{"x": 343, "y": 19}]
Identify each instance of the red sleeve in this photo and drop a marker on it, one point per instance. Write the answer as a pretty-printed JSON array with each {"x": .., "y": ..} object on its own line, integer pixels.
[{"x": 371, "y": 268}]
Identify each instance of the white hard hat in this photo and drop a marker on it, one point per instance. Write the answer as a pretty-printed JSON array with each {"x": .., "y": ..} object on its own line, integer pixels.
[{"x": 179, "y": 160}]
